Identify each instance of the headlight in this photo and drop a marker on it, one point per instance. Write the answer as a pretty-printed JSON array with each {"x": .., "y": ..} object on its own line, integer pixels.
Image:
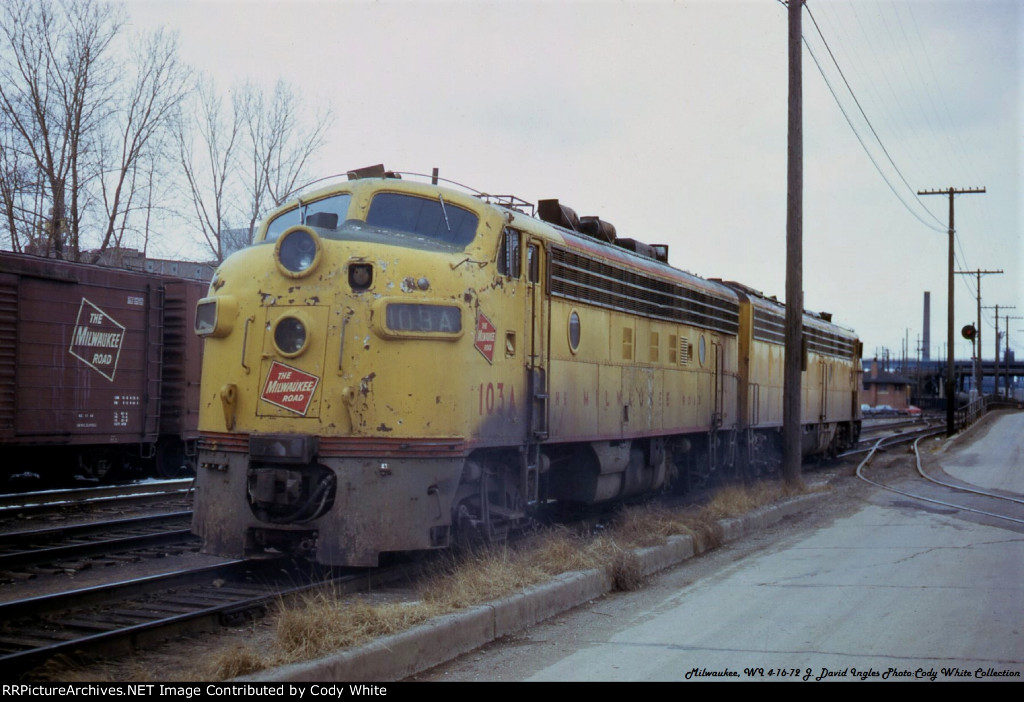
[
  {"x": 297, "y": 251},
  {"x": 206, "y": 317},
  {"x": 290, "y": 336},
  {"x": 215, "y": 315}
]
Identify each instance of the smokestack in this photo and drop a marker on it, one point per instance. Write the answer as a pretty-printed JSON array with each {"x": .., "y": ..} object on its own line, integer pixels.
[{"x": 927, "y": 341}]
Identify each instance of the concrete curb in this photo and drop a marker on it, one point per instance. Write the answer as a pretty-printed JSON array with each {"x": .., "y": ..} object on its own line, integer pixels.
[{"x": 442, "y": 639}]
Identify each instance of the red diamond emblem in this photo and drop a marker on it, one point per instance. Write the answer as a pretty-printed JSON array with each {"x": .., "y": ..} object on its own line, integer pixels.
[
  {"x": 485, "y": 337},
  {"x": 289, "y": 388}
]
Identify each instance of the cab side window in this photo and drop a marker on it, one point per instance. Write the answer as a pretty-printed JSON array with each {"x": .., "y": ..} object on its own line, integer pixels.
[
  {"x": 532, "y": 263},
  {"x": 509, "y": 256}
]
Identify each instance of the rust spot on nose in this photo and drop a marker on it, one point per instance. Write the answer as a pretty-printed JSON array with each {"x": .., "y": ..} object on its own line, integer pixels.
[{"x": 364, "y": 384}]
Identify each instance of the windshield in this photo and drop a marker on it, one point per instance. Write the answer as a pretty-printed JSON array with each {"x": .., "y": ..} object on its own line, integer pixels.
[
  {"x": 434, "y": 218},
  {"x": 324, "y": 214}
]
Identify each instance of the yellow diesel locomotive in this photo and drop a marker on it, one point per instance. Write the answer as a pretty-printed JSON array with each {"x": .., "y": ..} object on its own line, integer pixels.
[{"x": 394, "y": 362}]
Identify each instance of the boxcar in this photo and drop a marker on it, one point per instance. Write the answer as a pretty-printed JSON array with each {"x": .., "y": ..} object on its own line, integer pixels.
[{"x": 98, "y": 370}]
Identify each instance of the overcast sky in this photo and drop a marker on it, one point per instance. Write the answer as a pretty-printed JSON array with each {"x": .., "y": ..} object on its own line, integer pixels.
[{"x": 668, "y": 119}]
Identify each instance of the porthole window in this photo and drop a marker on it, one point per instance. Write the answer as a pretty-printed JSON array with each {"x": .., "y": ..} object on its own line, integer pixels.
[
  {"x": 290, "y": 336},
  {"x": 574, "y": 331},
  {"x": 701, "y": 350}
]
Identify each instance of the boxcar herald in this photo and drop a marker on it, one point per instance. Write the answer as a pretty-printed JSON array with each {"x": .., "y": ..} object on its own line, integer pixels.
[
  {"x": 99, "y": 373},
  {"x": 395, "y": 362}
]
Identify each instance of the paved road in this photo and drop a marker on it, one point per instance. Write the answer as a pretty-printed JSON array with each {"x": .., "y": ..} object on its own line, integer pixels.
[
  {"x": 993, "y": 458},
  {"x": 883, "y": 587}
]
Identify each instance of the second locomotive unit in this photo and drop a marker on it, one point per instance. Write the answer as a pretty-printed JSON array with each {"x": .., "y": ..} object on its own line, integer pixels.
[{"x": 394, "y": 363}]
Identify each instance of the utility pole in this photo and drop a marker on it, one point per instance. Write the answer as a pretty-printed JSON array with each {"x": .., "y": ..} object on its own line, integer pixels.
[
  {"x": 950, "y": 389},
  {"x": 1006, "y": 351},
  {"x": 995, "y": 386},
  {"x": 977, "y": 363},
  {"x": 792, "y": 451}
]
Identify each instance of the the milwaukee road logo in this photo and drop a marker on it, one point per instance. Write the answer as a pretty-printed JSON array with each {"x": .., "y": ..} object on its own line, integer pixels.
[
  {"x": 485, "y": 337},
  {"x": 96, "y": 340},
  {"x": 289, "y": 388}
]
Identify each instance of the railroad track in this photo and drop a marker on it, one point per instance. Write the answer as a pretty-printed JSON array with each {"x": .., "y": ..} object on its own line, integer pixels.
[
  {"x": 109, "y": 497},
  {"x": 952, "y": 494},
  {"x": 871, "y": 445},
  {"x": 883, "y": 426},
  {"x": 120, "y": 617},
  {"x": 68, "y": 549}
]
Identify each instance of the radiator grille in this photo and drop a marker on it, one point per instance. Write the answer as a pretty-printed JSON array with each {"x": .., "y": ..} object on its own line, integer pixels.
[{"x": 583, "y": 279}]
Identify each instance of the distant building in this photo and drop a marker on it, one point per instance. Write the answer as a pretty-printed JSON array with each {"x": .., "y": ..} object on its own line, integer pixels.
[
  {"x": 884, "y": 388},
  {"x": 134, "y": 260},
  {"x": 194, "y": 270}
]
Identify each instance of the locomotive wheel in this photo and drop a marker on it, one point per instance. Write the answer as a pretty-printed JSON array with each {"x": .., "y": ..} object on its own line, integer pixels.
[{"x": 493, "y": 506}]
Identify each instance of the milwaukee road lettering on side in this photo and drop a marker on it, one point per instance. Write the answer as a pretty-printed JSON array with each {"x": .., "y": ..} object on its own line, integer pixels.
[
  {"x": 97, "y": 339},
  {"x": 289, "y": 388}
]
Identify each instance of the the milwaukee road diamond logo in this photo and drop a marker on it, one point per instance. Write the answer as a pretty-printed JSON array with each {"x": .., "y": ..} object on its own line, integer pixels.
[
  {"x": 97, "y": 339},
  {"x": 485, "y": 337},
  {"x": 289, "y": 388}
]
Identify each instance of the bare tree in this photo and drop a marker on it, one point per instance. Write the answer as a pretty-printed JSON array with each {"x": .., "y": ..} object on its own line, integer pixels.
[
  {"x": 53, "y": 88},
  {"x": 16, "y": 186},
  {"x": 281, "y": 143},
  {"x": 256, "y": 151},
  {"x": 214, "y": 131},
  {"x": 150, "y": 101},
  {"x": 76, "y": 120}
]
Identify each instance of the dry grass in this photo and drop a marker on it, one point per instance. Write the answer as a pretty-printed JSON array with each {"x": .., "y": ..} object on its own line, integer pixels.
[
  {"x": 481, "y": 575},
  {"x": 560, "y": 550},
  {"x": 324, "y": 622},
  {"x": 316, "y": 624},
  {"x": 236, "y": 660}
]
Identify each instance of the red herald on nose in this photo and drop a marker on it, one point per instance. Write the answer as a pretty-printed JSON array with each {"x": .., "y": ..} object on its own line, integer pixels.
[{"x": 289, "y": 388}]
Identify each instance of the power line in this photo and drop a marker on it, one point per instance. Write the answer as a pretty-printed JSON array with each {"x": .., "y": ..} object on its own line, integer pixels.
[
  {"x": 938, "y": 107},
  {"x": 849, "y": 121}
]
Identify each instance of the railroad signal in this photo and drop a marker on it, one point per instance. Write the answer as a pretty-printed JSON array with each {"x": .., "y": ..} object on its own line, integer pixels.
[{"x": 969, "y": 332}]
